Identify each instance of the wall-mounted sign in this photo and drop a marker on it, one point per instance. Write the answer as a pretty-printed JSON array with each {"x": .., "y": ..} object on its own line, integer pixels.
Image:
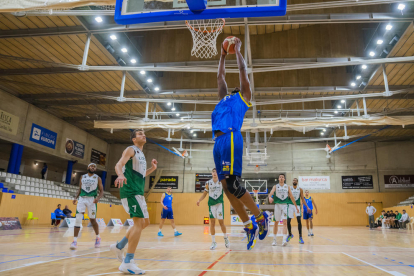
[
  {"x": 98, "y": 157},
  {"x": 43, "y": 136},
  {"x": 398, "y": 181},
  {"x": 314, "y": 182},
  {"x": 201, "y": 180},
  {"x": 165, "y": 182},
  {"x": 357, "y": 182},
  {"x": 74, "y": 148},
  {"x": 8, "y": 122}
]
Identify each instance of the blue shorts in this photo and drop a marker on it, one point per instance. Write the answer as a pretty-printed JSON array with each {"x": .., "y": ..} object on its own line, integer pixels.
[
  {"x": 228, "y": 154},
  {"x": 167, "y": 214},
  {"x": 306, "y": 215}
]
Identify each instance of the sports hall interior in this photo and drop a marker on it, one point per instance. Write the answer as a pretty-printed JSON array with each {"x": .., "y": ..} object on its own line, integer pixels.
[{"x": 66, "y": 73}]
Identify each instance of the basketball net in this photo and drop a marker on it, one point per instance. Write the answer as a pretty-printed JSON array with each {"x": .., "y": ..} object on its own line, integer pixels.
[
  {"x": 257, "y": 169},
  {"x": 256, "y": 195},
  {"x": 205, "y": 33}
]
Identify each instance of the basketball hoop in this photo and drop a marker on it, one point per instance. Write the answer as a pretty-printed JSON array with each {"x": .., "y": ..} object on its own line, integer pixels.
[
  {"x": 256, "y": 195},
  {"x": 205, "y": 33},
  {"x": 257, "y": 169}
]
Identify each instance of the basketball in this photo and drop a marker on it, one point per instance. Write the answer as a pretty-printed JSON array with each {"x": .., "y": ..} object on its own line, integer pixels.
[{"x": 228, "y": 45}]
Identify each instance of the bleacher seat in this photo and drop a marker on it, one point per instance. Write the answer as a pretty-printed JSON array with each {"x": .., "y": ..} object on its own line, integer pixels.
[
  {"x": 13, "y": 176},
  {"x": 17, "y": 187},
  {"x": 32, "y": 189},
  {"x": 28, "y": 178},
  {"x": 18, "y": 181},
  {"x": 19, "y": 177},
  {"x": 36, "y": 194},
  {"x": 4, "y": 190},
  {"x": 36, "y": 190},
  {"x": 37, "y": 180},
  {"x": 36, "y": 185},
  {"x": 23, "y": 177},
  {"x": 31, "y": 193},
  {"x": 3, "y": 174},
  {"x": 7, "y": 179},
  {"x": 26, "y": 193}
]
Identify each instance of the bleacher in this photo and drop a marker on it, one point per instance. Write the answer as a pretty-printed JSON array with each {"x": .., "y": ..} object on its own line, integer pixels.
[
  {"x": 406, "y": 202},
  {"x": 26, "y": 185}
]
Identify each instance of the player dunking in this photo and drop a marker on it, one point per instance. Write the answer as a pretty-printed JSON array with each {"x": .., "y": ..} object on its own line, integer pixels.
[
  {"x": 308, "y": 216},
  {"x": 297, "y": 193},
  {"x": 227, "y": 120},
  {"x": 132, "y": 170},
  {"x": 214, "y": 189},
  {"x": 167, "y": 212},
  {"x": 88, "y": 198},
  {"x": 280, "y": 195}
]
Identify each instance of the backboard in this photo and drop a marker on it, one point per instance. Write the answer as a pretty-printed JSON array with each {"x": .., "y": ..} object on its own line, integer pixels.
[{"x": 146, "y": 11}]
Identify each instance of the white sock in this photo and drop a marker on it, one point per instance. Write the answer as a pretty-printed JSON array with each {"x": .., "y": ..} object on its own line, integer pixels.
[
  {"x": 213, "y": 238},
  {"x": 247, "y": 222},
  {"x": 274, "y": 237},
  {"x": 75, "y": 239},
  {"x": 284, "y": 238},
  {"x": 98, "y": 236},
  {"x": 311, "y": 231},
  {"x": 159, "y": 230},
  {"x": 175, "y": 230},
  {"x": 225, "y": 235}
]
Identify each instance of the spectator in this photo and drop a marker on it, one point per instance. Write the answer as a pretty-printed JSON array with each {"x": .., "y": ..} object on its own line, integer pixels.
[
  {"x": 67, "y": 212},
  {"x": 404, "y": 220},
  {"x": 59, "y": 214},
  {"x": 384, "y": 219},
  {"x": 392, "y": 219},
  {"x": 370, "y": 212},
  {"x": 44, "y": 170},
  {"x": 397, "y": 218}
]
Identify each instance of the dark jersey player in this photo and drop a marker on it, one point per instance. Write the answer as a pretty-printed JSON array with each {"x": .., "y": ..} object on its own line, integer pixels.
[{"x": 227, "y": 120}]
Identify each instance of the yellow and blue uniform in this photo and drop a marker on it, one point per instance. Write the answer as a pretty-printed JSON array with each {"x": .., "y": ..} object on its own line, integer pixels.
[
  {"x": 167, "y": 214},
  {"x": 306, "y": 215},
  {"x": 227, "y": 117}
]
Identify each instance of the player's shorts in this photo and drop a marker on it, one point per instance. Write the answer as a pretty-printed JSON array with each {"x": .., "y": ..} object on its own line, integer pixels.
[
  {"x": 86, "y": 202},
  {"x": 135, "y": 206},
  {"x": 292, "y": 212},
  {"x": 167, "y": 214},
  {"x": 280, "y": 212},
  {"x": 217, "y": 211},
  {"x": 306, "y": 215},
  {"x": 228, "y": 154}
]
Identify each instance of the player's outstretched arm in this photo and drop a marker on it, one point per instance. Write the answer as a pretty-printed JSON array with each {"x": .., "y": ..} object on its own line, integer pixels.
[
  {"x": 126, "y": 155},
  {"x": 314, "y": 204},
  {"x": 221, "y": 75},
  {"x": 271, "y": 193},
  {"x": 100, "y": 186},
  {"x": 203, "y": 196},
  {"x": 244, "y": 78}
]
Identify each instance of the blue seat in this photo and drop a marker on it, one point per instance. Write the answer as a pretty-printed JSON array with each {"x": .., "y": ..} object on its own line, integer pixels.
[
  {"x": 4, "y": 190},
  {"x": 1, "y": 185},
  {"x": 10, "y": 191}
]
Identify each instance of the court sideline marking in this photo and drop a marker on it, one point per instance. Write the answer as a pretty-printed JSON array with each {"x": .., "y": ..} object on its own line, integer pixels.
[
  {"x": 395, "y": 273},
  {"x": 223, "y": 271},
  {"x": 213, "y": 264},
  {"x": 43, "y": 262}
]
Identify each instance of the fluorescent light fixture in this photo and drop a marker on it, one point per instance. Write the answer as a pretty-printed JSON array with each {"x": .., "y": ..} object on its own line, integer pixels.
[
  {"x": 336, "y": 112},
  {"x": 133, "y": 60},
  {"x": 182, "y": 119},
  {"x": 401, "y": 7},
  {"x": 188, "y": 127},
  {"x": 178, "y": 114},
  {"x": 380, "y": 41},
  {"x": 157, "y": 88},
  {"x": 342, "y": 101},
  {"x": 353, "y": 83},
  {"x": 192, "y": 131},
  {"x": 322, "y": 133},
  {"x": 338, "y": 106},
  {"x": 195, "y": 135},
  {"x": 142, "y": 72},
  {"x": 124, "y": 50},
  {"x": 388, "y": 27},
  {"x": 149, "y": 80},
  {"x": 99, "y": 19},
  {"x": 323, "y": 130},
  {"x": 372, "y": 53},
  {"x": 358, "y": 77},
  {"x": 364, "y": 67},
  {"x": 173, "y": 108},
  {"x": 169, "y": 103},
  {"x": 113, "y": 37}
]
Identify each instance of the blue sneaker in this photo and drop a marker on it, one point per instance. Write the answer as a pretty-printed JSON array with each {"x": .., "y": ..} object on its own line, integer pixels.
[
  {"x": 301, "y": 240},
  {"x": 289, "y": 238},
  {"x": 311, "y": 234},
  {"x": 252, "y": 236},
  {"x": 177, "y": 234},
  {"x": 160, "y": 234},
  {"x": 263, "y": 225}
]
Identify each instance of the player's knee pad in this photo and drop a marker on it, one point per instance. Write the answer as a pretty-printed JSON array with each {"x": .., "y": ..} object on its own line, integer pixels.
[
  {"x": 78, "y": 220},
  {"x": 234, "y": 187}
]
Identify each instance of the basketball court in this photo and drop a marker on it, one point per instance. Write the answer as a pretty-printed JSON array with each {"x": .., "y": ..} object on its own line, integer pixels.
[{"x": 331, "y": 107}]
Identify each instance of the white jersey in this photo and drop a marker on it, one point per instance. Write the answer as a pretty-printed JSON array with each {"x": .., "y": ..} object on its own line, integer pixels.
[
  {"x": 89, "y": 185},
  {"x": 295, "y": 193},
  {"x": 215, "y": 192},
  {"x": 281, "y": 194}
]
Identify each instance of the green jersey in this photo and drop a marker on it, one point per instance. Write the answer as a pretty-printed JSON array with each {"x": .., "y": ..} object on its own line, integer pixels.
[
  {"x": 296, "y": 195},
  {"x": 215, "y": 192},
  {"x": 281, "y": 195},
  {"x": 134, "y": 170},
  {"x": 398, "y": 216},
  {"x": 89, "y": 185}
]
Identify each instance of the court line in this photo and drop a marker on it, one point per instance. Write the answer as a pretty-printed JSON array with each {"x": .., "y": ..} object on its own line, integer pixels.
[
  {"x": 43, "y": 262},
  {"x": 213, "y": 264},
  {"x": 395, "y": 273},
  {"x": 20, "y": 259},
  {"x": 223, "y": 271}
]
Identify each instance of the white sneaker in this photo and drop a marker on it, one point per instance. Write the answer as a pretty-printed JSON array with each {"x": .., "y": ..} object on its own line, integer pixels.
[
  {"x": 131, "y": 268},
  {"x": 274, "y": 243},
  {"x": 284, "y": 243},
  {"x": 213, "y": 245},
  {"x": 74, "y": 245},
  {"x": 118, "y": 252},
  {"x": 227, "y": 242}
]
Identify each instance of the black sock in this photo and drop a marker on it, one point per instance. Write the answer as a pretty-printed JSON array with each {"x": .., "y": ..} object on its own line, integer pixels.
[
  {"x": 289, "y": 227},
  {"x": 299, "y": 226}
]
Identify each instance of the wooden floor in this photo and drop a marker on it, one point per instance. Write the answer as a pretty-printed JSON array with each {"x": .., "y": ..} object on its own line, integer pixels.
[{"x": 332, "y": 251}]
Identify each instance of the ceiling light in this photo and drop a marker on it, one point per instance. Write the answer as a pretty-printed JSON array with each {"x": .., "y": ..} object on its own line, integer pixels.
[
  {"x": 372, "y": 53},
  {"x": 342, "y": 101},
  {"x": 173, "y": 108},
  {"x": 133, "y": 60},
  {"x": 364, "y": 67},
  {"x": 124, "y": 50},
  {"x": 338, "y": 106},
  {"x": 321, "y": 133},
  {"x": 169, "y": 103},
  {"x": 149, "y": 80},
  {"x": 157, "y": 88},
  {"x": 401, "y": 7},
  {"x": 358, "y": 77},
  {"x": 188, "y": 127},
  {"x": 323, "y": 130},
  {"x": 178, "y": 114},
  {"x": 192, "y": 131},
  {"x": 182, "y": 119},
  {"x": 99, "y": 19},
  {"x": 380, "y": 41},
  {"x": 36, "y": 163},
  {"x": 113, "y": 37},
  {"x": 195, "y": 135},
  {"x": 336, "y": 112},
  {"x": 353, "y": 83},
  {"x": 142, "y": 72},
  {"x": 388, "y": 27}
]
